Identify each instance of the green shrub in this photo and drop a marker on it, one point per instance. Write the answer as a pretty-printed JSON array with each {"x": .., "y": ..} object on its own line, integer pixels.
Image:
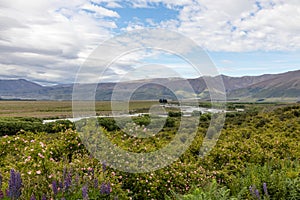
[
  {"x": 174, "y": 114},
  {"x": 211, "y": 191},
  {"x": 108, "y": 123}
]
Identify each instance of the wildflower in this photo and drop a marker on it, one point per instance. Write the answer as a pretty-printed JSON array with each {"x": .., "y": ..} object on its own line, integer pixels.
[
  {"x": 41, "y": 155},
  {"x": 44, "y": 197},
  {"x": 257, "y": 194},
  {"x": 104, "y": 166},
  {"x": 85, "y": 195},
  {"x": 1, "y": 194},
  {"x": 96, "y": 183},
  {"x": 38, "y": 172},
  {"x": 32, "y": 197},
  {"x": 105, "y": 188},
  {"x": 1, "y": 179},
  {"x": 15, "y": 185},
  {"x": 68, "y": 181},
  {"x": 42, "y": 144},
  {"x": 265, "y": 189},
  {"x": 54, "y": 187}
]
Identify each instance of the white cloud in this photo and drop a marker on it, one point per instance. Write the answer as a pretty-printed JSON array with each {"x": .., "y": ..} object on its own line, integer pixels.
[
  {"x": 54, "y": 37},
  {"x": 100, "y": 11},
  {"x": 234, "y": 25}
]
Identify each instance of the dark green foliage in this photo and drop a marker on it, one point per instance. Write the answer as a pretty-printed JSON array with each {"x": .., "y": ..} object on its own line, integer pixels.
[
  {"x": 108, "y": 123},
  {"x": 58, "y": 126},
  {"x": 142, "y": 120},
  {"x": 13, "y": 125},
  {"x": 174, "y": 114},
  {"x": 170, "y": 122},
  {"x": 205, "y": 117}
]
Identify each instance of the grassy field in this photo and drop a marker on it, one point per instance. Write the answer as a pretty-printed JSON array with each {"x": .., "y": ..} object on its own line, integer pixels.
[
  {"x": 63, "y": 109},
  {"x": 59, "y": 109}
]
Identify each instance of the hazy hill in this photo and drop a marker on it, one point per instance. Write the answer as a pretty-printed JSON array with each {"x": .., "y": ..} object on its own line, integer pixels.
[
  {"x": 280, "y": 85},
  {"x": 285, "y": 85}
]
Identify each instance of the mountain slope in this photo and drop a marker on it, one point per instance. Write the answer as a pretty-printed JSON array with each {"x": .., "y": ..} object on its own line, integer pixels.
[
  {"x": 246, "y": 87},
  {"x": 280, "y": 85}
]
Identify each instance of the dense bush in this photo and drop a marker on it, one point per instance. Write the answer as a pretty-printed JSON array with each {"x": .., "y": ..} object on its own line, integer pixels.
[
  {"x": 108, "y": 123},
  {"x": 174, "y": 114},
  {"x": 12, "y": 126}
]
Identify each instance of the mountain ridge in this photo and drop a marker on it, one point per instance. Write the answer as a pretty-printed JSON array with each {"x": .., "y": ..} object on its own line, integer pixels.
[{"x": 280, "y": 85}]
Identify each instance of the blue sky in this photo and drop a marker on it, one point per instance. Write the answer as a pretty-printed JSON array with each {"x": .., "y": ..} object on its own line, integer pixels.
[{"x": 48, "y": 41}]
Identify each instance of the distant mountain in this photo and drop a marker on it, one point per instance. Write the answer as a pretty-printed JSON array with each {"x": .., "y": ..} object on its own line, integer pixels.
[
  {"x": 272, "y": 86},
  {"x": 21, "y": 85},
  {"x": 285, "y": 85}
]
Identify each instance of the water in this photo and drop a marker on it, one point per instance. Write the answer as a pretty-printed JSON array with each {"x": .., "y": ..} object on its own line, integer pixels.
[{"x": 186, "y": 110}]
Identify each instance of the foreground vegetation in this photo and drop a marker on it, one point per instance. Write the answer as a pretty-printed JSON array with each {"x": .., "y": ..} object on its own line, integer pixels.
[{"x": 256, "y": 157}]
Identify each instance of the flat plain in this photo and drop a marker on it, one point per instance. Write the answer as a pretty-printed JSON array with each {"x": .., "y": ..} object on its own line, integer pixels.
[{"x": 60, "y": 109}]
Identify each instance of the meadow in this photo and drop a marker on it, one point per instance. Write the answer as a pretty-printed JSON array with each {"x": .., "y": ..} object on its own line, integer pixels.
[
  {"x": 59, "y": 109},
  {"x": 256, "y": 157}
]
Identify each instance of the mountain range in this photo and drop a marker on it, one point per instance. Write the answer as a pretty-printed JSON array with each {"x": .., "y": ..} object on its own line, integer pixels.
[{"x": 268, "y": 86}]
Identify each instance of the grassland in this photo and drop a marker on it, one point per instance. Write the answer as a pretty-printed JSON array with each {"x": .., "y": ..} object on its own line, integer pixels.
[{"x": 59, "y": 109}]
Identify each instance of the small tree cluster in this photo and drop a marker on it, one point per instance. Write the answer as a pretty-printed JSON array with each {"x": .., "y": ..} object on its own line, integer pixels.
[{"x": 163, "y": 101}]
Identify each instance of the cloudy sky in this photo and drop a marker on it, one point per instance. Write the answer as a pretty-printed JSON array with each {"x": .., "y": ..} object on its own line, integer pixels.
[{"x": 48, "y": 40}]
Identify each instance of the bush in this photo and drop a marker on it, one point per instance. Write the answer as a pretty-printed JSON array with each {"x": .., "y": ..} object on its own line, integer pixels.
[
  {"x": 12, "y": 126},
  {"x": 170, "y": 122},
  {"x": 144, "y": 120},
  {"x": 108, "y": 123},
  {"x": 174, "y": 114}
]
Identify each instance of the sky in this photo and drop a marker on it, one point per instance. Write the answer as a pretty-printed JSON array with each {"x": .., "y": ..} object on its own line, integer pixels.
[{"x": 48, "y": 41}]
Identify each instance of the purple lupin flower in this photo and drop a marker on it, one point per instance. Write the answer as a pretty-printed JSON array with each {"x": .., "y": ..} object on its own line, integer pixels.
[
  {"x": 68, "y": 181},
  {"x": 14, "y": 185},
  {"x": 104, "y": 166},
  {"x": 85, "y": 194},
  {"x": 105, "y": 188},
  {"x": 44, "y": 197},
  {"x": 64, "y": 172},
  {"x": 96, "y": 183},
  {"x": 32, "y": 197},
  {"x": 251, "y": 189},
  {"x": 54, "y": 187},
  {"x": 265, "y": 189},
  {"x": 108, "y": 188},
  {"x": 1, "y": 179},
  {"x": 61, "y": 185},
  {"x": 1, "y": 194},
  {"x": 18, "y": 184},
  {"x": 257, "y": 194}
]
